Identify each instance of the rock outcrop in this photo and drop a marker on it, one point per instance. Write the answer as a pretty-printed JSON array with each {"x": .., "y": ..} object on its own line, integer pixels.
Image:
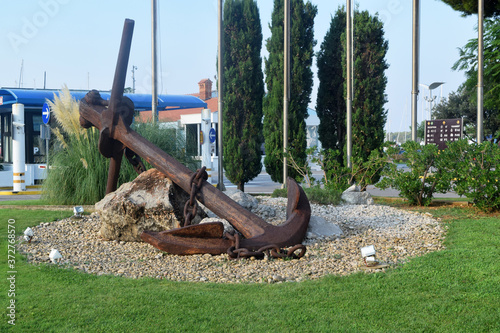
[
  {"x": 353, "y": 196},
  {"x": 150, "y": 202}
]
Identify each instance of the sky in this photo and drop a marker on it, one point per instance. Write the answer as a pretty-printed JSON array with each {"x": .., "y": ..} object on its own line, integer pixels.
[{"x": 76, "y": 44}]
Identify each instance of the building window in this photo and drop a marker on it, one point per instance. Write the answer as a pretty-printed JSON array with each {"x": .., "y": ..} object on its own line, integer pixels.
[
  {"x": 39, "y": 153},
  {"x": 6, "y": 140},
  {"x": 192, "y": 140}
]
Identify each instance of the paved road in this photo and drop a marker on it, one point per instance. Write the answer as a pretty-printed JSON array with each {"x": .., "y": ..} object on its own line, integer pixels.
[
  {"x": 19, "y": 197},
  {"x": 261, "y": 184},
  {"x": 264, "y": 184}
]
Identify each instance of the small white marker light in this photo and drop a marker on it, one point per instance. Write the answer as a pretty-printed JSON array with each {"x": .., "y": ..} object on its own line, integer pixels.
[
  {"x": 368, "y": 254},
  {"x": 28, "y": 234},
  {"x": 368, "y": 251},
  {"x": 55, "y": 256},
  {"x": 370, "y": 260},
  {"x": 78, "y": 210}
]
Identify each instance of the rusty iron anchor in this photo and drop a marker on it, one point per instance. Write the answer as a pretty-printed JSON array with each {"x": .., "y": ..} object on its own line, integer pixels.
[{"x": 113, "y": 119}]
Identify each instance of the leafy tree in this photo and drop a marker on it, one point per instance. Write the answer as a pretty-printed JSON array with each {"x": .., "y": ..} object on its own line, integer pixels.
[
  {"x": 330, "y": 103},
  {"x": 468, "y": 7},
  {"x": 368, "y": 113},
  {"x": 302, "y": 43},
  {"x": 459, "y": 104},
  {"x": 243, "y": 91},
  {"x": 491, "y": 78}
]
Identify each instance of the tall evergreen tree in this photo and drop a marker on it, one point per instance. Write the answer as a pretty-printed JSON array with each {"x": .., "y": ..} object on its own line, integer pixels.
[
  {"x": 302, "y": 44},
  {"x": 331, "y": 103},
  {"x": 368, "y": 113},
  {"x": 243, "y": 91}
]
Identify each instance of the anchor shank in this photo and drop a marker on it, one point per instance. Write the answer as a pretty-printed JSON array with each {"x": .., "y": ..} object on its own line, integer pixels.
[{"x": 249, "y": 224}]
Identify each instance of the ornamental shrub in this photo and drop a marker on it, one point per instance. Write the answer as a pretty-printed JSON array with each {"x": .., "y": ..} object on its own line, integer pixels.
[
  {"x": 476, "y": 172},
  {"x": 428, "y": 173}
]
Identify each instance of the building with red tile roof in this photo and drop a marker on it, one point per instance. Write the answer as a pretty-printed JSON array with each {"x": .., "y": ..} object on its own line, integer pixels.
[{"x": 205, "y": 93}]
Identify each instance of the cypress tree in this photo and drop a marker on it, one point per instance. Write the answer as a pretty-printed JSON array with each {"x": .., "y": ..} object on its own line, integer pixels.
[
  {"x": 368, "y": 113},
  {"x": 301, "y": 81},
  {"x": 330, "y": 102},
  {"x": 243, "y": 91}
]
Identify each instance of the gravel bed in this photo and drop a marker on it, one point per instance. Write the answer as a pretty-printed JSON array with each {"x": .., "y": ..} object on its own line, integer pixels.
[{"x": 397, "y": 235}]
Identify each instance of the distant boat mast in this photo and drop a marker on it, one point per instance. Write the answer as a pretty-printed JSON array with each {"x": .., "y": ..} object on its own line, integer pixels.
[{"x": 21, "y": 74}]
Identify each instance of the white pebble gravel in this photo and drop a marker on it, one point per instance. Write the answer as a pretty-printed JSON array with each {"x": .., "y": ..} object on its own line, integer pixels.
[{"x": 397, "y": 235}]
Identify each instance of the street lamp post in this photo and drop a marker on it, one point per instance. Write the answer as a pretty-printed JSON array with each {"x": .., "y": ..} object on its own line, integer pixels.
[
  {"x": 220, "y": 74},
  {"x": 431, "y": 98},
  {"x": 480, "y": 71},
  {"x": 414, "y": 69},
  {"x": 154, "y": 69},
  {"x": 349, "y": 82}
]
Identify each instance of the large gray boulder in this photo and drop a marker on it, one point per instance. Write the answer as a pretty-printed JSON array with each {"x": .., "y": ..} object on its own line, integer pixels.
[
  {"x": 150, "y": 202},
  {"x": 321, "y": 228},
  {"x": 353, "y": 196},
  {"x": 245, "y": 200}
]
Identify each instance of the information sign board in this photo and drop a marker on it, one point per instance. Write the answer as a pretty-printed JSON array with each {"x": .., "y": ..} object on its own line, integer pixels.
[{"x": 440, "y": 131}]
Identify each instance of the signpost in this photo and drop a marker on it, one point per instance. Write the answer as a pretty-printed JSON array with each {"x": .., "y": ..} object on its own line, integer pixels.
[
  {"x": 440, "y": 131},
  {"x": 206, "y": 128},
  {"x": 45, "y": 130},
  {"x": 212, "y": 135},
  {"x": 45, "y": 113}
]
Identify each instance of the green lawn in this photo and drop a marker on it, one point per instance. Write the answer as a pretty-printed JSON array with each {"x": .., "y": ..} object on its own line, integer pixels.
[{"x": 455, "y": 290}]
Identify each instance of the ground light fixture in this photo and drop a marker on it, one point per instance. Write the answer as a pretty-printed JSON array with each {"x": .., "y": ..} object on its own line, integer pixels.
[
  {"x": 368, "y": 254},
  {"x": 55, "y": 256},
  {"x": 78, "y": 210},
  {"x": 28, "y": 234}
]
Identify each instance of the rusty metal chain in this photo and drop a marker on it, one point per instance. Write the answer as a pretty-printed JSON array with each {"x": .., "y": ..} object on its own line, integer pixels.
[
  {"x": 191, "y": 206},
  {"x": 271, "y": 250},
  {"x": 135, "y": 160}
]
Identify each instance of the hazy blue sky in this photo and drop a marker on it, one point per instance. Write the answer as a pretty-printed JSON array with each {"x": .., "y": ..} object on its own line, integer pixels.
[{"x": 76, "y": 43}]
